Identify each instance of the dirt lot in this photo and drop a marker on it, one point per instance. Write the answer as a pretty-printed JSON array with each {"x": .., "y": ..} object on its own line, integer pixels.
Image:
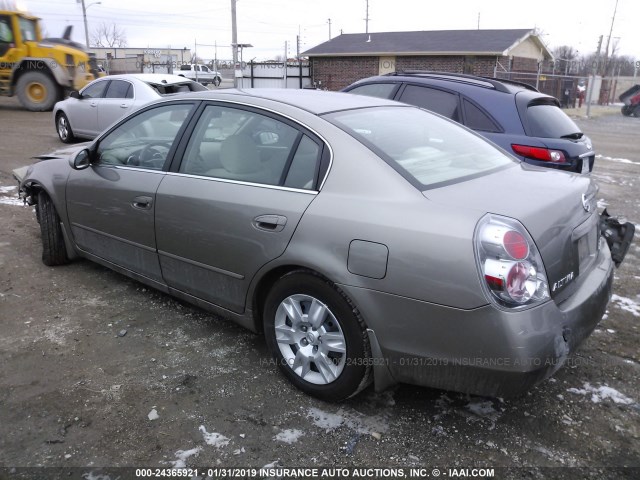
[{"x": 87, "y": 356}]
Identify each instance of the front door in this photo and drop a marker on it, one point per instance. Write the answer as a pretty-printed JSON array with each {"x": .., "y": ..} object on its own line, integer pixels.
[
  {"x": 111, "y": 204},
  {"x": 83, "y": 111}
]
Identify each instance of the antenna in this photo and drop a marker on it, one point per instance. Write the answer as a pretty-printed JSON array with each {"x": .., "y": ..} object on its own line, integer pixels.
[{"x": 366, "y": 19}]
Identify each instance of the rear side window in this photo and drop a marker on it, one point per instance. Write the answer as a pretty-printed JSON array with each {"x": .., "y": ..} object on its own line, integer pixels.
[
  {"x": 476, "y": 119},
  {"x": 185, "y": 67},
  {"x": 379, "y": 90},
  {"x": 438, "y": 101},
  {"x": 548, "y": 121},
  {"x": 119, "y": 89}
]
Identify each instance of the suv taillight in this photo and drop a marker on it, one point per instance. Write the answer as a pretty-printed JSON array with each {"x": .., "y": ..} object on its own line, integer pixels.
[
  {"x": 510, "y": 266},
  {"x": 539, "y": 153}
]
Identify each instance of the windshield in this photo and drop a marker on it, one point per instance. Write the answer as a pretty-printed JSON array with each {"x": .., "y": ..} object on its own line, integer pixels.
[{"x": 427, "y": 149}]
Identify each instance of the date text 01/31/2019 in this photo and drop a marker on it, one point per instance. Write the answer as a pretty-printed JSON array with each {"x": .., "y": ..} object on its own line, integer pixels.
[{"x": 313, "y": 472}]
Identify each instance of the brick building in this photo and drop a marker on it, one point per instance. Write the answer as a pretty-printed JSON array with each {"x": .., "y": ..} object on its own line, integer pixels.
[{"x": 350, "y": 57}]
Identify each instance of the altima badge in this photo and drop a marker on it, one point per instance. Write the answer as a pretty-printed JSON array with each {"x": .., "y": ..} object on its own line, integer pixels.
[{"x": 585, "y": 203}]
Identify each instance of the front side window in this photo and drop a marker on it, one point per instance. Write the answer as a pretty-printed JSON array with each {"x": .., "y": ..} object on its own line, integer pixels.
[
  {"x": 235, "y": 144},
  {"x": 425, "y": 149},
  {"x": 145, "y": 139},
  {"x": 95, "y": 90},
  {"x": 27, "y": 29}
]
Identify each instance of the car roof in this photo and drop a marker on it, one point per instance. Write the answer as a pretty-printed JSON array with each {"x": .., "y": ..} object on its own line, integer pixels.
[
  {"x": 156, "y": 78},
  {"x": 490, "y": 83},
  {"x": 314, "y": 101}
]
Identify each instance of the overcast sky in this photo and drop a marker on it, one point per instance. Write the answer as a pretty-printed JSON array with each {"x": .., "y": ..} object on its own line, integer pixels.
[{"x": 267, "y": 24}]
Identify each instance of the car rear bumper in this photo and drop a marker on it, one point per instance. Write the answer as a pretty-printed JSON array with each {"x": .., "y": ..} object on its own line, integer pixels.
[{"x": 484, "y": 351}]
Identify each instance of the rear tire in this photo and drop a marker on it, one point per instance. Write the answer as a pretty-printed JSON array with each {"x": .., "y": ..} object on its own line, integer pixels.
[
  {"x": 37, "y": 91},
  {"x": 626, "y": 111},
  {"x": 326, "y": 355},
  {"x": 63, "y": 127},
  {"x": 217, "y": 81},
  {"x": 54, "y": 251},
  {"x": 636, "y": 111}
]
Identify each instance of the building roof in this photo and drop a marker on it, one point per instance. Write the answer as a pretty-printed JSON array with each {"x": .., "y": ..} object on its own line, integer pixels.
[{"x": 436, "y": 42}]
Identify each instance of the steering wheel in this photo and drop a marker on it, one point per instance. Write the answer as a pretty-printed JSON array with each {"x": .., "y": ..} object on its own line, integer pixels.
[{"x": 152, "y": 156}]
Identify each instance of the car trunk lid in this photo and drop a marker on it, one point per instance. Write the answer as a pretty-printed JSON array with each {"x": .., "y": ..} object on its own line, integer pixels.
[{"x": 557, "y": 208}]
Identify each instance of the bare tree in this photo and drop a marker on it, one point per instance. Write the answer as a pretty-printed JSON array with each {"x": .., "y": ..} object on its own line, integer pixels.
[
  {"x": 109, "y": 36},
  {"x": 195, "y": 59},
  {"x": 566, "y": 58}
]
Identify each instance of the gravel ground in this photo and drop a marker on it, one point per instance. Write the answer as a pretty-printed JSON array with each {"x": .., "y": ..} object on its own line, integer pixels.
[{"x": 97, "y": 370}]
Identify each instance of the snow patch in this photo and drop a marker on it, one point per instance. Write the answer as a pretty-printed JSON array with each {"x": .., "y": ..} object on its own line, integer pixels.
[
  {"x": 11, "y": 201},
  {"x": 289, "y": 436},
  {"x": 598, "y": 394},
  {"x": 356, "y": 421},
  {"x": 7, "y": 189},
  {"x": 626, "y": 304},
  {"x": 215, "y": 439},
  {"x": 153, "y": 414},
  {"x": 182, "y": 456},
  {"x": 617, "y": 160}
]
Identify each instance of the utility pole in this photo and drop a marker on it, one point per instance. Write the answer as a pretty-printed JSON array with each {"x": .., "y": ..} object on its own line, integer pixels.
[
  {"x": 234, "y": 41},
  {"x": 366, "y": 19},
  {"x": 329, "y": 22},
  {"x": 84, "y": 16},
  {"x": 593, "y": 77},
  {"x": 606, "y": 50}
]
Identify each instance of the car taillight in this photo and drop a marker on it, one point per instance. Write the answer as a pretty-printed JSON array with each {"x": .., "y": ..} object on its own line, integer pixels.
[
  {"x": 510, "y": 266},
  {"x": 539, "y": 153}
]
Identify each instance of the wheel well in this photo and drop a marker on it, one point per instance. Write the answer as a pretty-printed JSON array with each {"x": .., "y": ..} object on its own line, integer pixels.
[
  {"x": 32, "y": 191},
  {"x": 264, "y": 286},
  {"x": 20, "y": 71}
]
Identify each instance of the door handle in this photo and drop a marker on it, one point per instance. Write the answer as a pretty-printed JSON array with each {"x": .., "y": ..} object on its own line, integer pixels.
[
  {"x": 93, "y": 104},
  {"x": 123, "y": 105},
  {"x": 142, "y": 203},
  {"x": 270, "y": 223}
]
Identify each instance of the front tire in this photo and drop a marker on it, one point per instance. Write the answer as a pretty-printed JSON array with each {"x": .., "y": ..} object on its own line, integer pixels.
[
  {"x": 63, "y": 127},
  {"x": 37, "y": 91},
  {"x": 217, "y": 81},
  {"x": 317, "y": 337},
  {"x": 626, "y": 111},
  {"x": 54, "y": 251}
]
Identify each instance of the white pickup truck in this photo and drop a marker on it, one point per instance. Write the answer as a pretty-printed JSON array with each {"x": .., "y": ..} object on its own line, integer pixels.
[{"x": 200, "y": 73}]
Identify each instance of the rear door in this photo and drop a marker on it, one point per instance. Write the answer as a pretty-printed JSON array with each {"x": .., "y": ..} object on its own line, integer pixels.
[
  {"x": 245, "y": 179},
  {"x": 117, "y": 102}
]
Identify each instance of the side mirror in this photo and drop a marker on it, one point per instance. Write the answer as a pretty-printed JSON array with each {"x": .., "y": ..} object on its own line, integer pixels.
[
  {"x": 81, "y": 160},
  {"x": 75, "y": 94}
]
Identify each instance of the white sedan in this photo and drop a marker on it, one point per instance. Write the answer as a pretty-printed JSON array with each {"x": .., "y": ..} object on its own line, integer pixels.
[{"x": 102, "y": 102}]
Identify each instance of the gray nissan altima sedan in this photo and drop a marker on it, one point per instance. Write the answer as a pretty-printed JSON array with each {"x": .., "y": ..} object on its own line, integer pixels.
[{"x": 370, "y": 241}]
